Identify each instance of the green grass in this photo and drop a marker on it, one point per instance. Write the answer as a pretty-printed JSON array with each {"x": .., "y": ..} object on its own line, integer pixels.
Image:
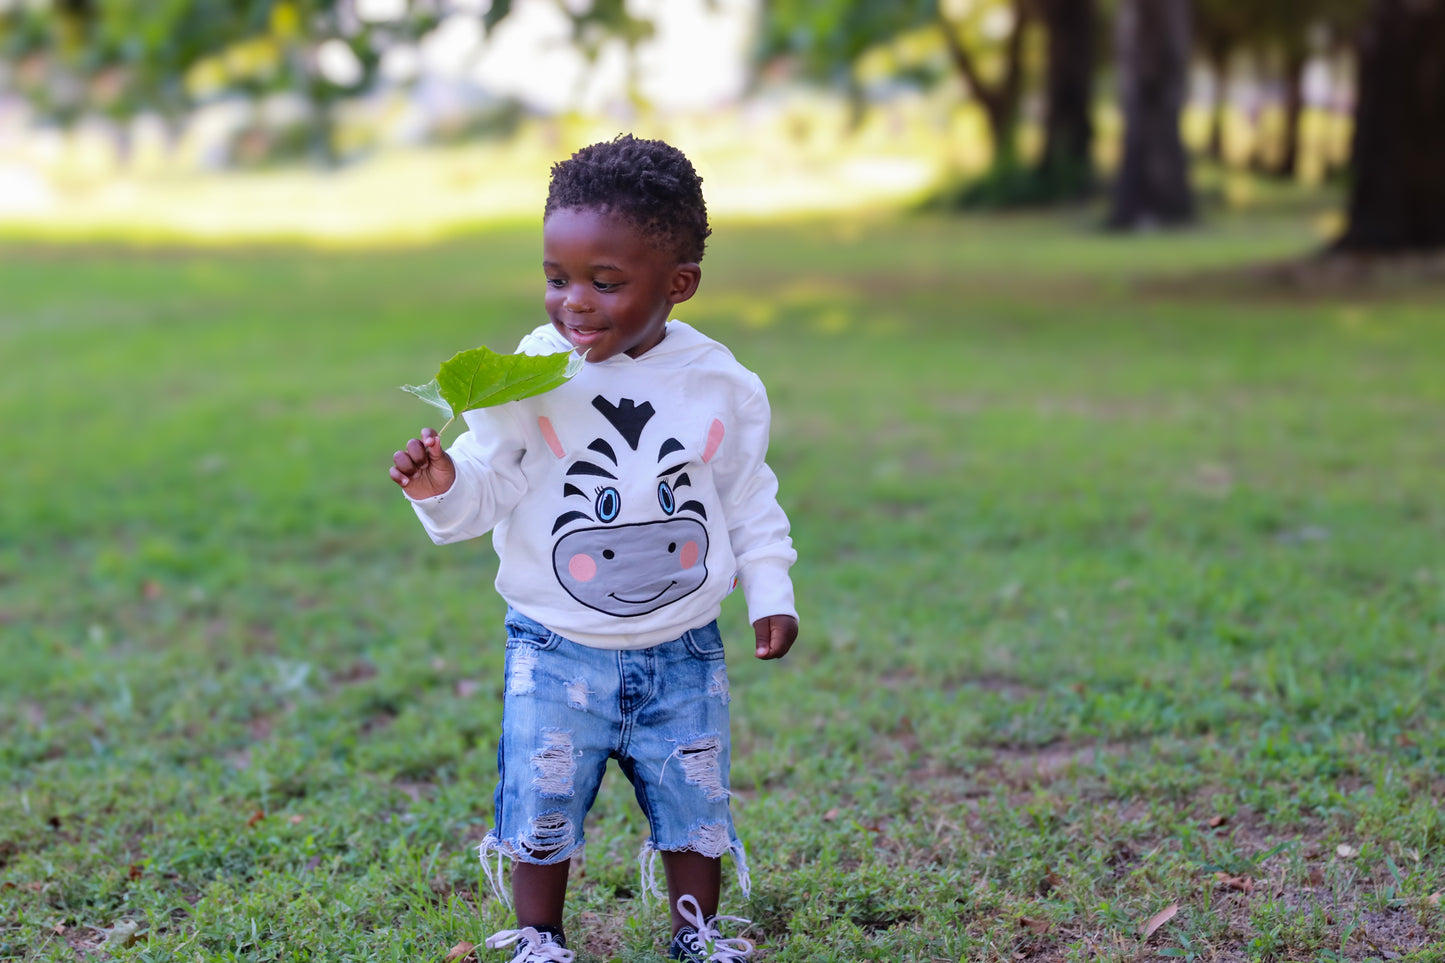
[{"x": 1121, "y": 587}]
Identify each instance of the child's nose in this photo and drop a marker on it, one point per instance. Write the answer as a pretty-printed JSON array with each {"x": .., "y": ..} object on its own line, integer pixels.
[{"x": 577, "y": 302}]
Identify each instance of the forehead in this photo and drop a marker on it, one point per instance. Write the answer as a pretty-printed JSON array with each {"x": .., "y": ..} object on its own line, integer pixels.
[{"x": 594, "y": 232}]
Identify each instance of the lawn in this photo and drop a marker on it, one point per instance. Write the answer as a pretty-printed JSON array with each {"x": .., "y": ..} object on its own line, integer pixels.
[{"x": 1121, "y": 583}]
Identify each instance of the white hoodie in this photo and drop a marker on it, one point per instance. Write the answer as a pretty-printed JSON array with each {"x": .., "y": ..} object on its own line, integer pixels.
[{"x": 626, "y": 503}]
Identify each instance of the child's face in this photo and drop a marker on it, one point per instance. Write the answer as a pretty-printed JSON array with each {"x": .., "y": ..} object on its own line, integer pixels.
[{"x": 609, "y": 291}]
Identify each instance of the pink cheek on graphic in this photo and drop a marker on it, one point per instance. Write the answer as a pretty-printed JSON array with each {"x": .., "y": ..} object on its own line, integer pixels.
[
  {"x": 582, "y": 568},
  {"x": 689, "y": 555}
]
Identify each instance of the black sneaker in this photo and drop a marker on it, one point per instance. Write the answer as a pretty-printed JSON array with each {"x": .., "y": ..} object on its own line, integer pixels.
[
  {"x": 701, "y": 942},
  {"x": 533, "y": 946}
]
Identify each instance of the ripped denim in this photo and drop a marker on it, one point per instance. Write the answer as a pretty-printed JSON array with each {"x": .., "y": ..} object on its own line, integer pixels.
[{"x": 661, "y": 712}]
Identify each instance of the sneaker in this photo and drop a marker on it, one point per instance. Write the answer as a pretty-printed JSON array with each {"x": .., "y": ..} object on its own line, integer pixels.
[
  {"x": 700, "y": 941},
  {"x": 533, "y": 946}
]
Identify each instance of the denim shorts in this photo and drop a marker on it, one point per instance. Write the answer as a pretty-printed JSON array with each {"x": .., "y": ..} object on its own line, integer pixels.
[{"x": 661, "y": 712}]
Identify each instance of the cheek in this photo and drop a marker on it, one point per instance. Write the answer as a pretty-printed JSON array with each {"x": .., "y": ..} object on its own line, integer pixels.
[
  {"x": 582, "y": 568},
  {"x": 688, "y": 556}
]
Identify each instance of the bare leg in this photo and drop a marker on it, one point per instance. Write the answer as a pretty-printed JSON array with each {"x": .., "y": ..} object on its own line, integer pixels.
[
  {"x": 692, "y": 874},
  {"x": 539, "y": 892}
]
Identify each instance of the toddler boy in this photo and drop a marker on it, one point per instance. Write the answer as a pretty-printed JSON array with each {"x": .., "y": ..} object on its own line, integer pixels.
[{"x": 623, "y": 505}]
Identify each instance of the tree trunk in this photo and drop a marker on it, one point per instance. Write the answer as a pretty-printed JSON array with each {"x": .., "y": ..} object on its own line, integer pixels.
[
  {"x": 1067, "y": 165},
  {"x": 1397, "y": 192},
  {"x": 1152, "y": 187},
  {"x": 1287, "y": 164},
  {"x": 1218, "y": 58}
]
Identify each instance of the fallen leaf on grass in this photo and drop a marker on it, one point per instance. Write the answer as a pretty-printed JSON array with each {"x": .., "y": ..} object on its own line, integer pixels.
[
  {"x": 1037, "y": 926},
  {"x": 1240, "y": 884},
  {"x": 1158, "y": 920},
  {"x": 831, "y": 815},
  {"x": 124, "y": 933},
  {"x": 256, "y": 817},
  {"x": 1433, "y": 899},
  {"x": 1216, "y": 821},
  {"x": 1346, "y": 851},
  {"x": 460, "y": 952}
]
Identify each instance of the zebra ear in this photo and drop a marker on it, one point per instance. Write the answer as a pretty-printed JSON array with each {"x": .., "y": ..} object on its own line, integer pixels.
[
  {"x": 549, "y": 435},
  {"x": 714, "y": 439}
]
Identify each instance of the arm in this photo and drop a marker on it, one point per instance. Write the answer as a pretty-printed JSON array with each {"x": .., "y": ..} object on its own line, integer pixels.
[{"x": 757, "y": 526}]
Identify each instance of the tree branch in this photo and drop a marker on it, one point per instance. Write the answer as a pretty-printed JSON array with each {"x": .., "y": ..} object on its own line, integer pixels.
[{"x": 963, "y": 60}]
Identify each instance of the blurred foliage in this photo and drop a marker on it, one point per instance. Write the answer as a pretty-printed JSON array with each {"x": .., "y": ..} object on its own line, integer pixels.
[
  {"x": 827, "y": 38},
  {"x": 981, "y": 43},
  {"x": 995, "y": 49},
  {"x": 1278, "y": 26},
  {"x": 838, "y": 42},
  {"x": 119, "y": 58}
]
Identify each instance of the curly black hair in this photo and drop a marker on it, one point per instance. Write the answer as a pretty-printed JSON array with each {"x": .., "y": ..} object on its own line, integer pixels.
[{"x": 649, "y": 182}]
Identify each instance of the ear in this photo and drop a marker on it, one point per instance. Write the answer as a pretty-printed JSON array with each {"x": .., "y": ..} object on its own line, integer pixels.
[
  {"x": 549, "y": 435},
  {"x": 685, "y": 279},
  {"x": 714, "y": 439}
]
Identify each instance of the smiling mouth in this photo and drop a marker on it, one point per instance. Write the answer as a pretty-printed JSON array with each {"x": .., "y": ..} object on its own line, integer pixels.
[
  {"x": 584, "y": 335},
  {"x": 614, "y": 595}
]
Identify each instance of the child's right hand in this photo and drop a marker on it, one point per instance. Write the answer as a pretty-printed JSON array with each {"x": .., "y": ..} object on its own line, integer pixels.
[{"x": 422, "y": 468}]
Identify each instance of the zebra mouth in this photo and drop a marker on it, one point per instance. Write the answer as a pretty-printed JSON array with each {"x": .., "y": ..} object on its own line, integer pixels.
[{"x": 665, "y": 588}]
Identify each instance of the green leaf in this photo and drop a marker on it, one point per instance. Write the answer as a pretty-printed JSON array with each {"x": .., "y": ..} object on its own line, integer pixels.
[
  {"x": 480, "y": 378},
  {"x": 431, "y": 393}
]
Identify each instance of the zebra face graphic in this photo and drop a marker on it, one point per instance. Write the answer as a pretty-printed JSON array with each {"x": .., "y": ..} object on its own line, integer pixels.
[{"x": 635, "y": 567}]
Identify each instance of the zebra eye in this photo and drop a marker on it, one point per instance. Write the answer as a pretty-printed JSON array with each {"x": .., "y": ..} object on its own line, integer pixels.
[
  {"x": 665, "y": 499},
  {"x": 609, "y": 503}
]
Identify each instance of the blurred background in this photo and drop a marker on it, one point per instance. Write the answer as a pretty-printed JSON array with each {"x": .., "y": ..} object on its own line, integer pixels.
[{"x": 363, "y": 120}]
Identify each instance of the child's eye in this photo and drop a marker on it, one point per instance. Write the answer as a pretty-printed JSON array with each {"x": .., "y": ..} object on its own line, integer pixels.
[
  {"x": 555, "y": 282},
  {"x": 605, "y": 286}
]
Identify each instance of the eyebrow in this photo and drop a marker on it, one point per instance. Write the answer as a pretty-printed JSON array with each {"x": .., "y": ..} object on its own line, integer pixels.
[
  {"x": 593, "y": 267},
  {"x": 587, "y": 468}
]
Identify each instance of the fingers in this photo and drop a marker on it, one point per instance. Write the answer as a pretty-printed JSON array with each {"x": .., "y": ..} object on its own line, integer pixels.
[
  {"x": 775, "y": 635},
  {"x": 418, "y": 455}
]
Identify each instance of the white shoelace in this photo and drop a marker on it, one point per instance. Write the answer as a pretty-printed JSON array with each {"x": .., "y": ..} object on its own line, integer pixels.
[
  {"x": 540, "y": 949},
  {"x": 708, "y": 938}
]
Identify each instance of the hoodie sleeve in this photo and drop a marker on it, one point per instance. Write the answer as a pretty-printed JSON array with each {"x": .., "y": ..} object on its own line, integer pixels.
[
  {"x": 488, "y": 458},
  {"x": 757, "y": 525}
]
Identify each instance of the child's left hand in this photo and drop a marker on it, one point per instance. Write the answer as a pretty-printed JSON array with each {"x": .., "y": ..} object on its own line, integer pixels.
[{"x": 775, "y": 635}]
